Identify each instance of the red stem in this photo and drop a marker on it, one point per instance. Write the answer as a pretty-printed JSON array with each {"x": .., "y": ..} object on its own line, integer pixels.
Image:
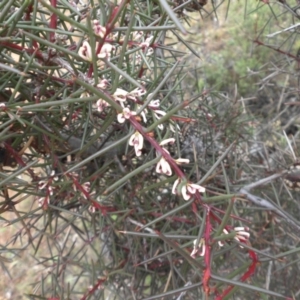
[
  {"x": 249, "y": 273},
  {"x": 53, "y": 21},
  {"x": 157, "y": 147},
  {"x": 18, "y": 158}
]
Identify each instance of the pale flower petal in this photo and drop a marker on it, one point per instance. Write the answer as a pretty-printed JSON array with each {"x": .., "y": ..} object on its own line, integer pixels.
[
  {"x": 138, "y": 152},
  {"x": 159, "y": 113},
  {"x": 120, "y": 118},
  {"x": 98, "y": 29},
  {"x": 173, "y": 129},
  {"x": 144, "y": 116},
  {"x": 180, "y": 161},
  {"x": 137, "y": 35},
  {"x": 120, "y": 95},
  {"x": 240, "y": 229},
  {"x": 103, "y": 84},
  {"x": 221, "y": 243},
  {"x": 184, "y": 193},
  {"x": 147, "y": 41},
  {"x": 149, "y": 51},
  {"x": 241, "y": 234},
  {"x": 201, "y": 246},
  {"x": 106, "y": 50},
  {"x": 188, "y": 189},
  {"x": 196, "y": 187},
  {"x": 154, "y": 103},
  {"x": 167, "y": 141},
  {"x": 101, "y": 105},
  {"x": 85, "y": 51},
  {"x": 163, "y": 167},
  {"x": 191, "y": 189},
  {"x": 137, "y": 141},
  {"x": 174, "y": 188},
  {"x": 126, "y": 114},
  {"x": 138, "y": 92}
]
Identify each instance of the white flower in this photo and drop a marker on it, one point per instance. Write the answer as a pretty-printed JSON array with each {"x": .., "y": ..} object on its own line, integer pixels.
[
  {"x": 84, "y": 95},
  {"x": 201, "y": 246},
  {"x": 85, "y": 51},
  {"x": 163, "y": 167},
  {"x": 120, "y": 95},
  {"x": 103, "y": 84},
  {"x": 126, "y": 114},
  {"x": 147, "y": 41},
  {"x": 92, "y": 209},
  {"x": 158, "y": 114},
  {"x": 188, "y": 189},
  {"x": 98, "y": 29},
  {"x": 143, "y": 113},
  {"x": 149, "y": 51},
  {"x": 44, "y": 201},
  {"x": 138, "y": 92},
  {"x": 105, "y": 51},
  {"x": 101, "y": 105},
  {"x": 181, "y": 161},
  {"x": 42, "y": 184},
  {"x": 50, "y": 190},
  {"x": 191, "y": 188},
  {"x": 137, "y": 35},
  {"x": 173, "y": 129},
  {"x": 86, "y": 186},
  {"x": 167, "y": 141},
  {"x": 242, "y": 234},
  {"x": 221, "y": 243},
  {"x": 137, "y": 141},
  {"x": 154, "y": 103}
]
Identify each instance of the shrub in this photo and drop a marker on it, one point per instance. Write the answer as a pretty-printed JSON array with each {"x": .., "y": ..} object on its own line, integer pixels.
[{"x": 120, "y": 185}]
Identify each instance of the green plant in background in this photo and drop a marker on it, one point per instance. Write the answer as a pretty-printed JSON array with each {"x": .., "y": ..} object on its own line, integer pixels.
[
  {"x": 121, "y": 186},
  {"x": 230, "y": 57}
]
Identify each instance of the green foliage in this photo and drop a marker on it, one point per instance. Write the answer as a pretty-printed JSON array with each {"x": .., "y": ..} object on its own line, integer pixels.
[
  {"x": 231, "y": 57},
  {"x": 119, "y": 180}
]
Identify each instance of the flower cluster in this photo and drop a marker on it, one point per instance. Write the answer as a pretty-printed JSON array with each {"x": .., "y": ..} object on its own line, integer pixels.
[
  {"x": 106, "y": 48},
  {"x": 242, "y": 235},
  {"x": 85, "y": 51},
  {"x": 186, "y": 189},
  {"x": 98, "y": 29},
  {"x": 133, "y": 104},
  {"x": 163, "y": 167},
  {"x": 125, "y": 114}
]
